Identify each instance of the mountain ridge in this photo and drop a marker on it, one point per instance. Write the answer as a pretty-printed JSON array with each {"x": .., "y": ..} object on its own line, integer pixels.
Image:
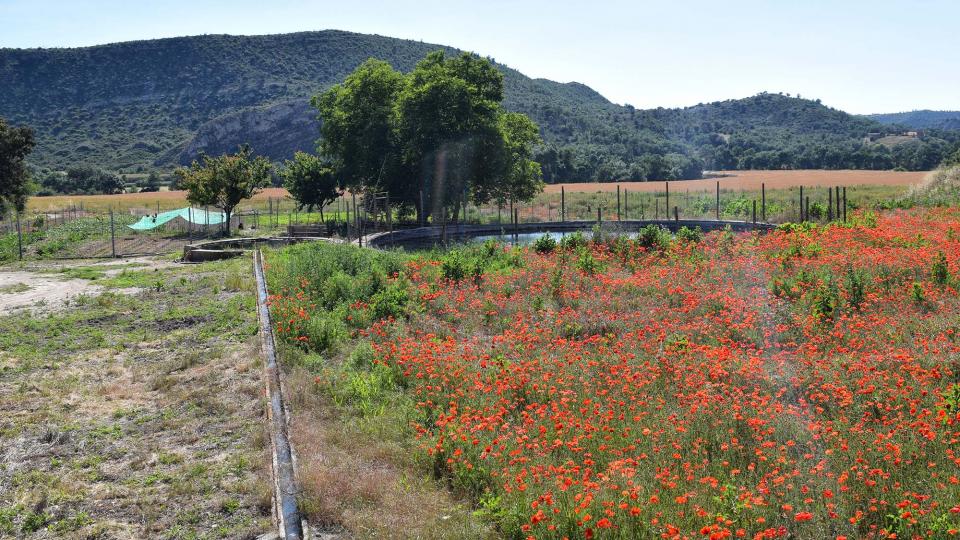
[{"x": 145, "y": 104}]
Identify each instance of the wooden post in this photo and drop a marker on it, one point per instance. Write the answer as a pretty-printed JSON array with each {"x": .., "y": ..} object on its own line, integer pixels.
[
  {"x": 676, "y": 214},
  {"x": 754, "y": 211},
  {"x": 618, "y": 202},
  {"x": 599, "y": 219},
  {"x": 806, "y": 209},
  {"x": 656, "y": 207},
  {"x": 389, "y": 215},
  {"x": 20, "y": 234},
  {"x": 356, "y": 217},
  {"x": 837, "y": 193},
  {"x": 718, "y": 200},
  {"x": 563, "y": 204},
  {"x": 844, "y": 204},
  {"x": 113, "y": 238},
  {"x": 803, "y": 216},
  {"x": 422, "y": 217},
  {"x": 763, "y": 204},
  {"x": 829, "y": 204},
  {"x": 667, "y": 206},
  {"x": 626, "y": 204}
]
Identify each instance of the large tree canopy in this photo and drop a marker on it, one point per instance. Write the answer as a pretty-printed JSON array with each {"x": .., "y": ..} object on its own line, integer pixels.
[
  {"x": 15, "y": 144},
  {"x": 433, "y": 138},
  {"x": 224, "y": 181}
]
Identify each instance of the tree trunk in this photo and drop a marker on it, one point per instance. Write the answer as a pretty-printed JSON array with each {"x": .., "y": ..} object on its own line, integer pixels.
[{"x": 228, "y": 212}]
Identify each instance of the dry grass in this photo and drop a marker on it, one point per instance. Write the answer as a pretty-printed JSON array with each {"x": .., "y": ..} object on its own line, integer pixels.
[
  {"x": 366, "y": 484},
  {"x": 131, "y": 417},
  {"x": 167, "y": 200},
  {"x": 751, "y": 181}
]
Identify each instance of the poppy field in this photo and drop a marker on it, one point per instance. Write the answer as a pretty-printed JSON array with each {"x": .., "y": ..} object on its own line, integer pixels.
[{"x": 803, "y": 383}]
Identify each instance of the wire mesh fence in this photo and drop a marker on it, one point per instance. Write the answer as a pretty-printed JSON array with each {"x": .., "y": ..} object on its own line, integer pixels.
[{"x": 78, "y": 232}]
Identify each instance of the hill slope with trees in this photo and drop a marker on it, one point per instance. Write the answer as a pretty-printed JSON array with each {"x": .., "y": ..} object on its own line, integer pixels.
[
  {"x": 154, "y": 104},
  {"x": 923, "y": 119}
]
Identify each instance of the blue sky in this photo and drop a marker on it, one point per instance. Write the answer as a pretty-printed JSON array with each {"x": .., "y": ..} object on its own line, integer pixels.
[{"x": 860, "y": 56}]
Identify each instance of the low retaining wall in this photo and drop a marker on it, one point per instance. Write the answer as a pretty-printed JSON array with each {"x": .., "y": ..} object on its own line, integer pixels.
[
  {"x": 428, "y": 236},
  {"x": 226, "y": 248},
  {"x": 420, "y": 237}
]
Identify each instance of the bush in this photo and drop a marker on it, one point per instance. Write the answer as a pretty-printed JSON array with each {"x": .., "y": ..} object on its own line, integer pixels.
[
  {"x": 939, "y": 270},
  {"x": 653, "y": 237},
  {"x": 324, "y": 333},
  {"x": 454, "y": 266},
  {"x": 587, "y": 263},
  {"x": 856, "y": 289},
  {"x": 573, "y": 241},
  {"x": 686, "y": 234},
  {"x": 390, "y": 302},
  {"x": 545, "y": 244}
]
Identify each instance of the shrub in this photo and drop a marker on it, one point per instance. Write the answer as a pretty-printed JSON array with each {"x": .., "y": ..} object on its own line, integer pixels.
[
  {"x": 587, "y": 263},
  {"x": 390, "y": 301},
  {"x": 818, "y": 210},
  {"x": 917, "y": 294},
  {"x": 454, "y": 266},
  {"x": 939, "y": 271},
  {"x": 653, "y": 237},
  {"x": 545, "y": 244},
  {"x": 856, "y": 290},
  {"x": 826, "y": 299},
  {"x": 573, "y": 241},
  {"x": 686, "y": 234},
  {"x": 323, "y": 332}
]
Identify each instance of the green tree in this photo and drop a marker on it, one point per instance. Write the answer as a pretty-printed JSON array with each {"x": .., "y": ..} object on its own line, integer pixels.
[
  {"x": 520, "y": 177},
  {"x": 953, "y": 159},
  {"x": 447, "y": 124},
  {"x": 153, "y": 183},
  {"x": 357, "y": 125},
  {"x": 15, "y": 144},
  {"x": 310, "y": 181},
  {"x": 224, "y": 181},
  {"x": 432, "y": 138}
]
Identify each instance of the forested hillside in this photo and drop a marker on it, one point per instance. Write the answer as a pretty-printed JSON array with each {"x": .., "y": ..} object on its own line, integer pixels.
[
  {"x": 154, "y": 104},
  {"x": 924, "y": 119}
]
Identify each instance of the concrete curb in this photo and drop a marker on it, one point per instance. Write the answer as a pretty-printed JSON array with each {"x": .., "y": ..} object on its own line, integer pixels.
[{"x": 286, "y": 513}]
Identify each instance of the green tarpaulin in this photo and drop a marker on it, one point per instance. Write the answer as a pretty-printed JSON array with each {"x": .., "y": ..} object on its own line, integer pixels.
[{"x": 192, "y": 215}]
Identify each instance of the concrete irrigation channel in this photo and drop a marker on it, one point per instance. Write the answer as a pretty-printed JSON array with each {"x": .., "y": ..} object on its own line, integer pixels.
[{"x": 290, "y": 523}]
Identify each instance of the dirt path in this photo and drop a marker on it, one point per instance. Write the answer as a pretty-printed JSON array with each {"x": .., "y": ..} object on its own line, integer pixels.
[
  {"x": 38, "y": 292},
  {"x": 47, "y": 286}
]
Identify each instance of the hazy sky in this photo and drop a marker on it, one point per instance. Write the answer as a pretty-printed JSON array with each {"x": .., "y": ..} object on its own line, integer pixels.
[{"x": 860, "y": 56}]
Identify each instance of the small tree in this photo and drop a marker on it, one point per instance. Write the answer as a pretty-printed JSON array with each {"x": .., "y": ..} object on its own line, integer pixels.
[
  {"x": 153, "y": 183},
  {"x": 224, "y": 181},
  {"x": 15, "y": 144},
  {"x": 310, "y": 181}
]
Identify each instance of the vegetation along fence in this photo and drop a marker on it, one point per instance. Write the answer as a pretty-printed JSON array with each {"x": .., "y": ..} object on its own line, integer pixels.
[{"x": 79, "y": 232}]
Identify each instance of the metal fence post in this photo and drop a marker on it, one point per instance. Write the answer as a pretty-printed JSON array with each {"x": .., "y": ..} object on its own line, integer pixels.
[
  {"x": 618, "y": 202},
  {"x": 829, "y": 204},
  {"x": 803, "y": 216},
  {"x": 763, "y": 204},
  {"x": 718, "y": 200},
  {"x": 563, "y": 204},
  {"x": 844, "y": 204},
  {"x": 667, "y": 206},
  {"x": 113, "y": 237},
  {"x": 19, "y": 237}
]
